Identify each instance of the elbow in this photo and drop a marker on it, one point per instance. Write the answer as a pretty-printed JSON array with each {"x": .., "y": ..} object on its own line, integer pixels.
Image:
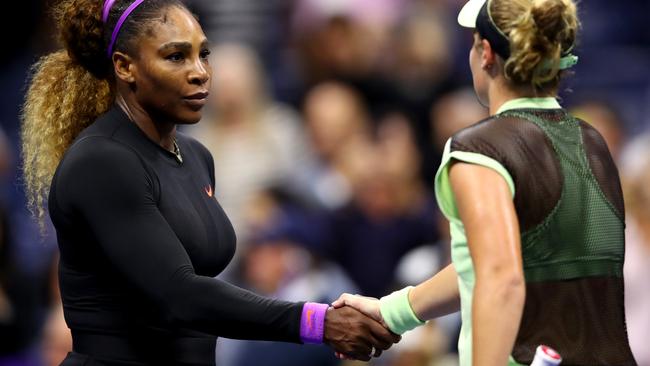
[
  {"x": 181, "y": 303},
  {"x": 506, "y": 282},
  {"x": 515, "y": 289},
  {"x": 179, "y": 313}
]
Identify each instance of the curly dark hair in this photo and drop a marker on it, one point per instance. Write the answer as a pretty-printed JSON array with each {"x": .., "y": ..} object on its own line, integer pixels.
[{"x": 70, "y": 88}]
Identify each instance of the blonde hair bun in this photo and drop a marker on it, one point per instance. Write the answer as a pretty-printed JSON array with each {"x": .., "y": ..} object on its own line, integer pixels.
[{"x": 540, "y": 33}]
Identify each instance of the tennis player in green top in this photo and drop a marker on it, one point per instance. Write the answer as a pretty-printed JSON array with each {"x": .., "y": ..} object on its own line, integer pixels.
[{"x": 534, "y": 203}]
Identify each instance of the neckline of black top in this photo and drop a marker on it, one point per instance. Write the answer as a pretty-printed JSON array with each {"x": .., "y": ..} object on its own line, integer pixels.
[{"x": 119, "y": 114}]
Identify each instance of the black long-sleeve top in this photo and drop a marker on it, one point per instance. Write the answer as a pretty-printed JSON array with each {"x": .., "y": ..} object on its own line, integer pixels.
[{"x": 141, "y": 237}]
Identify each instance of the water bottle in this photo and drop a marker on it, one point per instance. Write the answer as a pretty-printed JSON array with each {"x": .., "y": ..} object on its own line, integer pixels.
[{"x": 546, "y": 356}]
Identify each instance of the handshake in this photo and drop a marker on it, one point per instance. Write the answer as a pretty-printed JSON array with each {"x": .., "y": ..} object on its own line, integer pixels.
[{"x": 355, "y": 328}]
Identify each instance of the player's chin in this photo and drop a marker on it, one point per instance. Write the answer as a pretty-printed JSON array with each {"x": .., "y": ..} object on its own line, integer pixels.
[{"x": 189, "y": 116}]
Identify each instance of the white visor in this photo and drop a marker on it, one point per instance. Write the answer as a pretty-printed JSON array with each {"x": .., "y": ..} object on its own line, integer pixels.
[{"x": 469, "y": 13}]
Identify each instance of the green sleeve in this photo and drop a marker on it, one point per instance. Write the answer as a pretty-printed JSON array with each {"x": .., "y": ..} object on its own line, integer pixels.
[{"x": 444, "y": 194}]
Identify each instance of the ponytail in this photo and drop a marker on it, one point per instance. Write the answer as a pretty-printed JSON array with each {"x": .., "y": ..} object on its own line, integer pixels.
[{"x": 63, "y": 98}]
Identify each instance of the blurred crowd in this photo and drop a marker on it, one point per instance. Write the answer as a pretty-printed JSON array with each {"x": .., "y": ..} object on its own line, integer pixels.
[{"x": 326, "y": 124}]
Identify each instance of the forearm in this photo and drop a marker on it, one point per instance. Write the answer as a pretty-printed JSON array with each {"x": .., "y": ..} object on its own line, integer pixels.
[
  {"x": 437, "y": 296},
  {"x": 219, "y": 308},
  {"x": 496, "y": 313},
  {"x": 409, "y": 307}
]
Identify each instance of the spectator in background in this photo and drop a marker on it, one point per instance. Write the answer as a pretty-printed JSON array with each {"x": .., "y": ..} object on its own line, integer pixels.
[
  {"x": 255, "y": 141},
  {"x": 635, "y": 177},
  {"x": 336, "y": 121},
  {"x": 390, "y": 213},
  {"x": 259, "y": 25},
  {"x": 604, "y": 118},
  {"x": 284, "y": 259},
  {"x": 453, "y": 112},
  {"x": 398, "y": 62},
  {"x": 419, "y": 64},
  {"x": 342, "y": 39},
  {"x": 419, "y": 70},
  {"x": 263, "y": 26}
]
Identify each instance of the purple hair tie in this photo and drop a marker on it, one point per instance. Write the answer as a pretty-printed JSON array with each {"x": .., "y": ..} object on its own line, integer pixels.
[
  {"x": 121, "y": 21},
  {"x": 107, "y": 9}
]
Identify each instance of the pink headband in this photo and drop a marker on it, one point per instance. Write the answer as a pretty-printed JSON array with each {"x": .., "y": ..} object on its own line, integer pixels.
[{"x": 107, "y": 8}]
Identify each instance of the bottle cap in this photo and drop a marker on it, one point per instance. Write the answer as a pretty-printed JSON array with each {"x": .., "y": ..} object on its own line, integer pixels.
[{"x": 546, "y": 356}]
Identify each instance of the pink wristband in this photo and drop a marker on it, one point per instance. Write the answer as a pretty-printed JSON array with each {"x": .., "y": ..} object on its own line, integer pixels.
[{"x": 312, "y": 323}]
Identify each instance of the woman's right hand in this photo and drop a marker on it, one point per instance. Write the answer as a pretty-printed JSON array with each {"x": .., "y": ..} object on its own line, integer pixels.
[
  {"x": 353, "y": 334},
  {"x": 367, "y": 305}
]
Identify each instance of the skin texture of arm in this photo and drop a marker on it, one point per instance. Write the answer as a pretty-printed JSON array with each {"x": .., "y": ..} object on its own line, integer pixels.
[
  {"x": 487, "y": 211},
  {"x": 436, "y": 296}
]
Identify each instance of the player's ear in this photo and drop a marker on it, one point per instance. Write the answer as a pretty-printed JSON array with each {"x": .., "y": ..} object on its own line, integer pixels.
[
  {"x": 124, "y": 67},
  {"x": 488, "y": 56}
]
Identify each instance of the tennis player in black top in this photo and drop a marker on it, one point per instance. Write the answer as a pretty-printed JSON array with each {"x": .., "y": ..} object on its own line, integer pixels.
[{"x": 140, "y": 232}]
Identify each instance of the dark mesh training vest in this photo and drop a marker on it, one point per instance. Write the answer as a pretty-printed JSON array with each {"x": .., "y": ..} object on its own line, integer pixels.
[{"x": 570, "y": 208}]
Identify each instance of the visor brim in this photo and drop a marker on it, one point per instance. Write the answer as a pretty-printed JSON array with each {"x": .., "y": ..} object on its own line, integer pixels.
[{"x": 469, "y": 13}]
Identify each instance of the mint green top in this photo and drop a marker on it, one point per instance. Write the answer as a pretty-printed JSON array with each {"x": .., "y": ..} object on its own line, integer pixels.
[{"x": 461, "y": 258}]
